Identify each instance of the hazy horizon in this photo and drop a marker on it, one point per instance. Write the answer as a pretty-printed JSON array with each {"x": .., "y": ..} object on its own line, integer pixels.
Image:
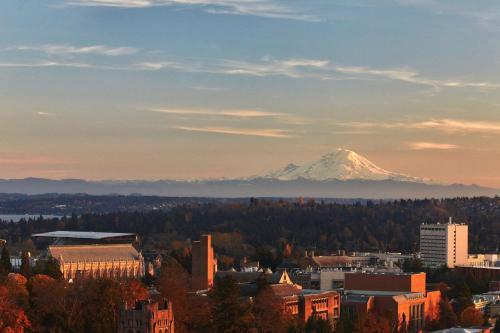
[{"x": 175, "y": 89}]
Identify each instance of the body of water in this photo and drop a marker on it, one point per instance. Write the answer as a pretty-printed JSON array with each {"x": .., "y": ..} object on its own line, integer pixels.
[{"x": 18, "y": 217}]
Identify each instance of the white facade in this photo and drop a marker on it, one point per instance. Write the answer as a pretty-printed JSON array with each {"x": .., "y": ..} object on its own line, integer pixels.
[{"x": 444, "y": 244}]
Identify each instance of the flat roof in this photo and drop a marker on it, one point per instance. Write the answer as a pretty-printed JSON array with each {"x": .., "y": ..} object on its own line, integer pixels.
[{"x": 82, "y": 234}]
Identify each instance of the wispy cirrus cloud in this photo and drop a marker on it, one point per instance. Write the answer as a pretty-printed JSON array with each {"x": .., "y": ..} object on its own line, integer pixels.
[
  {"x": 267, "y": 66},
  {"x": 319, "y": 69},
  {"x": 263, "y": 8},
  {"x": 267, "y": 133},
  {"x": 431, "y": 146},
  {"x": 38, "y": 160},
  {"x": 219, "y": 113},
  {"x": 295, "y": 68},
  {"x": 60, "y": 64},
  {"x": 64, "y": 49},
  {"x": 412, "y": 76},
  {"x": 443, "y": 125},
  {"x": 483, "y": 12},
  {"x": 45, "y": 114}
]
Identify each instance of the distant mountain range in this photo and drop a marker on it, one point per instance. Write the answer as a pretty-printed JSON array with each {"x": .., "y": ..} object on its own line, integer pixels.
[{"x": 340, "y": 174}]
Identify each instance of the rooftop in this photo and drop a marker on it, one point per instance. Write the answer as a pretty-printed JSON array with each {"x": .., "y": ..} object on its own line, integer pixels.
[
  {"x": 94, "y": 253},
  {"x": 83, "y": 234}
]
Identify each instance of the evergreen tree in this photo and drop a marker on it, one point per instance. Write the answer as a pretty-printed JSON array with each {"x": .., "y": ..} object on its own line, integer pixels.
[
  {"x": 229, "y": 314},
  {"x": 5, "y": 265},
  {"x": 317, "y": 325},
  {"x": 447, "y": 318},
  {"x": 25, "y": 264},
  {"x": 52, "y": 269}
]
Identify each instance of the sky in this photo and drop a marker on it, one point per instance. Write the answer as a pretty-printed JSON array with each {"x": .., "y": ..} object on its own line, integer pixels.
[{"x": 184, "y": 89}]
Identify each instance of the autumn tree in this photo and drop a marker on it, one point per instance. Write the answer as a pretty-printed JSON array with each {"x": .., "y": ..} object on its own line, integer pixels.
[
  {"x": 56, "y": 307},
  {"x": 268, "y": 310},
  {"x": 101, "y": 303},
  {"x": 173, "y": 284},
  {"x": 133, "y": 291},
  {"x": 372, "y": 323},
  {"x": 471, "y": 317},
  {"x": 12, "y": 317},
  {"x": 18, "y": 292}
]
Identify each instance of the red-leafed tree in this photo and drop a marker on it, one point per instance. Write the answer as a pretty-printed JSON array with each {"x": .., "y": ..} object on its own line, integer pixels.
[
  {"x": 13, "y": 319},
  {"x": 471, "y": 317}
]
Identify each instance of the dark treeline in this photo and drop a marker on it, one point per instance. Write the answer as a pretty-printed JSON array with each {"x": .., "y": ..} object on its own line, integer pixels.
[{"x": 246, "y": 228}]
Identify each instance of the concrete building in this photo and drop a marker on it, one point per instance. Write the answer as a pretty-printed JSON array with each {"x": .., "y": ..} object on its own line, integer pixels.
[
  {"x": 147, "y": 317},
  {"x": 117, "y": 261},
  {"x": 401, "y": 296},
  {"x": 484, "y": 260},
  {"x": 444, "y": 244},
  {"x": 482, "y": 302},
  {"x": 204, "y": 265}
]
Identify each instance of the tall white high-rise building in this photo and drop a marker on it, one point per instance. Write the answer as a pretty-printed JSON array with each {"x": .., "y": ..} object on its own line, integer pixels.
[{"x": 444, "y": 244}]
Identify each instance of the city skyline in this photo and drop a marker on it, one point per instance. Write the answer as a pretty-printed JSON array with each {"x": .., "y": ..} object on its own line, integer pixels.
[{"x": 182, "y": 89}]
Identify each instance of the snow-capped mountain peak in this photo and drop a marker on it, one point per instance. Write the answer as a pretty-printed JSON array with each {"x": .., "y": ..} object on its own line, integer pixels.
[{"x": 341, "y": 164}]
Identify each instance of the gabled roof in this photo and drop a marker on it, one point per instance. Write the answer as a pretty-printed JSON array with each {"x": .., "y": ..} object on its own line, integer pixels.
[{"x": 94, "y": 253}]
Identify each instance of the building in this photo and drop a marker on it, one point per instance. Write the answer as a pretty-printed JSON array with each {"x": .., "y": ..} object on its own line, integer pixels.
[
  {"x": 464, "y": 330},
  {"x": 303, "y": 304},
  {"x": 17, "y": 261},
  {"x": 148, "y": 316},
  {"x": 400, "y": 296},
  {"x": 249, "y": 266},
  {"x": 204, "y": 265},
  {"x": 88, "y": 254},
  {"x": 482, "y": 302},
  {"x": 480, "y": 273},
  {"x": 117, "y": 261},
  {"x": 484, "y": 260},
  {"x": 444, "y": 244}
]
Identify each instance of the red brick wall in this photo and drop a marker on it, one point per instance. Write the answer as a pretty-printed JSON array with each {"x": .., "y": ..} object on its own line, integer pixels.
[
  {"x": 385, "y": 282},
  {"x": 202, "y": 263}
]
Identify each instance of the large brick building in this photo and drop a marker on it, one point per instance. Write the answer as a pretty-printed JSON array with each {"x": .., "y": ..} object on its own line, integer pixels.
[
  {"x": 147, "y": 317},
  {"x": 306, "y": 303},
  {"x": 116, "y": 261},
  {"x": 88, "y": 254},
  {"x": 402, "y": 297},
  {"x": 204, "y": 265}
]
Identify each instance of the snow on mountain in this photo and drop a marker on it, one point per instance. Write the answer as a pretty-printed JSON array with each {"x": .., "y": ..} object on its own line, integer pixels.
[{"x": 341, "y": 164}]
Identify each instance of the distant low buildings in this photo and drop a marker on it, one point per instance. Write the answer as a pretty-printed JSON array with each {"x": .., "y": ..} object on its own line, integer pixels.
[
  {"x": 482, "y": 302},
  {"x": 444, "y": 244},
  {"x": 480, "y": 273},
  {"x": 484, "y": 260}
]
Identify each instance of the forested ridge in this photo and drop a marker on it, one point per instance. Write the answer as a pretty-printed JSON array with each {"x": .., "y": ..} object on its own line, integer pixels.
[{"x": 304, "y": 224}]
